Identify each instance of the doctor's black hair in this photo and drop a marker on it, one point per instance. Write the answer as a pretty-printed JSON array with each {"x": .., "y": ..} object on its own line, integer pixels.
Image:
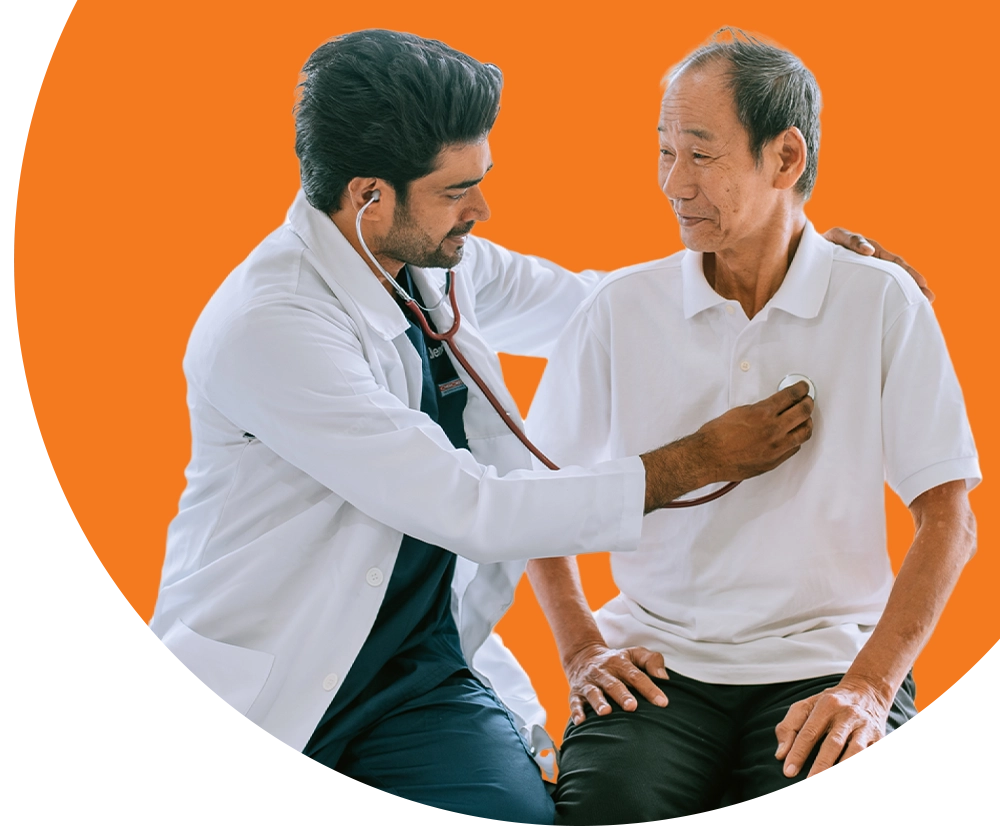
[
  {"x": 384, "y": 104},
  {"x": 772, "y": 90}
]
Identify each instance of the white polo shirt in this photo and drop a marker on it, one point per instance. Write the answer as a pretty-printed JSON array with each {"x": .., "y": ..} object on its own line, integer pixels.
[{"x": 785, "y": 577}]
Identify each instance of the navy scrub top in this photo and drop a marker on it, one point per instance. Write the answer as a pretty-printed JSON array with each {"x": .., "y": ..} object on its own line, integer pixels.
[{"x": 414, "y": 643}]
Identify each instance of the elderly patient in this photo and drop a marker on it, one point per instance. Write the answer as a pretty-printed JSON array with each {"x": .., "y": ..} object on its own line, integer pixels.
[{"x": 787, "y": 643}]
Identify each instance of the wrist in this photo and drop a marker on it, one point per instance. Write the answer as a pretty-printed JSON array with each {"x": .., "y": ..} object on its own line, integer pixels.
[
  {"x": 880, "y": 689},
  {"x": 676, "y": 469},
  {"x": 580, "y": 648}
]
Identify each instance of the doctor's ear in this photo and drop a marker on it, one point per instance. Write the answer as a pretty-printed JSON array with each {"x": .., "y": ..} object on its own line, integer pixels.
[{"x": 366, "y": 191}]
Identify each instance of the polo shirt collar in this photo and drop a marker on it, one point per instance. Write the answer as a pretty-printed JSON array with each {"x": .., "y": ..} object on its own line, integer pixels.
[
  {"x": 342, "y": 267},
  {"x": 801, "y": 292},
  {"x": 805, "y": 285}
]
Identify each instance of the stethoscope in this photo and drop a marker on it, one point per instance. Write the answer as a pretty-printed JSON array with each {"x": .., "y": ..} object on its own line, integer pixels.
[{"x": 448, "y": 337}]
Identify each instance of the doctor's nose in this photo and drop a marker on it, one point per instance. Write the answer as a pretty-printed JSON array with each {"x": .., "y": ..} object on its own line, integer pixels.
[{"x": 477, "y": 208}]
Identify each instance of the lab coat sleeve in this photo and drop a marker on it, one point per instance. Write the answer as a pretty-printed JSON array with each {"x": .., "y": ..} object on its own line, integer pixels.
[
  {"x": 522, "y": 302},
  {"x": 297, "y": 379},
  {"x": 571, "y": 412}
]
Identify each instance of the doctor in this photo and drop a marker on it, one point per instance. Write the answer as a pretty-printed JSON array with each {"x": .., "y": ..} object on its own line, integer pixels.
[{"x": 340, "y": 461}]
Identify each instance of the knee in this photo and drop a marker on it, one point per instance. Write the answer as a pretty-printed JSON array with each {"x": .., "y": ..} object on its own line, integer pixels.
[{"x": 604, "y": 797}]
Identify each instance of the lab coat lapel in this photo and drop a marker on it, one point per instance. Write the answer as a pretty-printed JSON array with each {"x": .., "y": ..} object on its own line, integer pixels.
[
  {"x": 363, "y": 298},
  {"x": 341, "y": 267}
]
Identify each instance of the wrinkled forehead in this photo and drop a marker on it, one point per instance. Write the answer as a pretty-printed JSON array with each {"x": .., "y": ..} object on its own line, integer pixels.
[{"x": 699, "y": 99}]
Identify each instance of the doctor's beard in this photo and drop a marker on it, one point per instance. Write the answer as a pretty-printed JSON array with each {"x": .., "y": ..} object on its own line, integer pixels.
[{"x": 407, "y": 242}]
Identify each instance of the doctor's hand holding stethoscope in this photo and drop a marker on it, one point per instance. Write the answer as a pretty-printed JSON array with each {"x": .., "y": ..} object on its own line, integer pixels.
[{"x": 742, "y": 443}]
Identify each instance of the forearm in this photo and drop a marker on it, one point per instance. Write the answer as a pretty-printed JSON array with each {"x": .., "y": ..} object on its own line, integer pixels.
[
  {"x": 744, "y": 442},
  {"x": 556, "y": 583},
  {"x": 944, "y": 540},
  {"x": 676, "y": 469}
]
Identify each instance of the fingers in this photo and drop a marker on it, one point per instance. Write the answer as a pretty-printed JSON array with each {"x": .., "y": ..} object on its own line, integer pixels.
[
  {"x": 830, "y": 750},
  {"x": 620, "y": 671},
  {"x": 852, "y": 241},
  {"x": 841, "y": 743},
  {"x": 788, "y": 397},
  {"x": 854, "y": 748},
  {"x": 794, "y": 720},
  {"x": 805, "y": 739},
  {"x": 839, "y": 727},
  {"x": 576, "y": 709},
  {"x": 595, "y": 697},
  {"x": 795, "y": 427},
  {"x": 649, "y": 660},
  {"x": 869, "y": 247},
  {"x": 611, "y": 675},
  {"x": 915, "y": 275}
]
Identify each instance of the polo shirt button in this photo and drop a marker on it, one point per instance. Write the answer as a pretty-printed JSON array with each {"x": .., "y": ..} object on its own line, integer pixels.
[
  {"x": 330, "y": 682},
  {"x": 374, "y": 577},
  {"x": 745, "y": 365},
  {"x": 730, "y": 310}
]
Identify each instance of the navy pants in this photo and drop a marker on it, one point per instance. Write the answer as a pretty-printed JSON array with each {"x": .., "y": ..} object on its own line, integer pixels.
[
  {"x": 711, "y": 746},
  {"x": 454, "y": 747}
]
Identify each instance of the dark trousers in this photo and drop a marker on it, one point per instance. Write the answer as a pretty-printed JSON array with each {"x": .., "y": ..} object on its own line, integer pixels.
[
  {"x": 454, "y": 747},
  {"x": 711, "y": 746}
]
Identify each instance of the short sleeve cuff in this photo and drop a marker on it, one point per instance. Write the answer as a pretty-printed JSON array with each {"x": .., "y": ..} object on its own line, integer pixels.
[{"x": 920, "y": 482}]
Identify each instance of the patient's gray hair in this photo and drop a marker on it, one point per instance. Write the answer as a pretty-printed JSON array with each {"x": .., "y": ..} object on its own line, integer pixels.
[{"x": 772, "y": 90}]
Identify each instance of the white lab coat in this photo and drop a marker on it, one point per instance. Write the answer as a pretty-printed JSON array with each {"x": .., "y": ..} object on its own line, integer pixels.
[{"x": 310, "y": 460}]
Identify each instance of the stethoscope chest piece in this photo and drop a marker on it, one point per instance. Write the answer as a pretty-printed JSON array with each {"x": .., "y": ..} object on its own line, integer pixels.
[{"x": 791, "y": 380}]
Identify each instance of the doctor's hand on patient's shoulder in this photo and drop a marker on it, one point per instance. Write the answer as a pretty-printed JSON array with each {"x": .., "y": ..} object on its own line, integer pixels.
[
  {"x": 844, "y": 719},
  {"x": 742, "y": 443},
  {"x": 596, "y": 670},
  {"x": 869, "y": 247}
]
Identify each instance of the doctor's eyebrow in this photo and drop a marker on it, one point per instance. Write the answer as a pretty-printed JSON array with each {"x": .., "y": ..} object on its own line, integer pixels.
[{"x": 469, "y": 183}]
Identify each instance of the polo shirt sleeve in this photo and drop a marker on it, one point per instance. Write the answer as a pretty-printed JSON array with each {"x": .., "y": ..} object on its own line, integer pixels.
[
  {"x": 570, "y": 417},
  {"x": 926, "y": 436},
  {"x": 522, "y": 302},
  {"x": 300, "y": 382}
]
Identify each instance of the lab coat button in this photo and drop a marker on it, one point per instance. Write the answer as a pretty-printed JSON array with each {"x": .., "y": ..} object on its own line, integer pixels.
[
  {"x": 745, "y": 365},
  {"x": 330, "y": 682},
  {"x": 374, "y": 577}
]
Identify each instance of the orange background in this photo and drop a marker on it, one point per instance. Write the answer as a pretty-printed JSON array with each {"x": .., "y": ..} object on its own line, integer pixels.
[{"x": 161, "y": 152}]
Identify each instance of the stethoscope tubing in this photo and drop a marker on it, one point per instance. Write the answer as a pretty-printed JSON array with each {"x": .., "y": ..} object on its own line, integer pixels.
[{"x": 448, "y": 338}]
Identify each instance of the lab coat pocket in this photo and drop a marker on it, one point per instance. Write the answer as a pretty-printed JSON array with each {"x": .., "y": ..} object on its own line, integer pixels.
[{"x": 234, "y": 673}]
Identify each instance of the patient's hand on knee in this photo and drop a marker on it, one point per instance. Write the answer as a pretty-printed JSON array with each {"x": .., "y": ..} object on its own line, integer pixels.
[
  {"x": 596, "y": 670},
  {"x": 847, "y": 718}
]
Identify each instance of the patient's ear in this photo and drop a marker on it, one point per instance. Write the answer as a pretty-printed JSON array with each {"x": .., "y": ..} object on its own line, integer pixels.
[{"x": 791, "y": 151}]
